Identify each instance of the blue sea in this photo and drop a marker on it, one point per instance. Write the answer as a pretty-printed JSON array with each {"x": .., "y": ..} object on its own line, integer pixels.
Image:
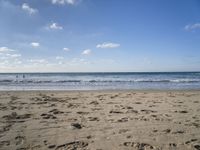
[{"x": 100, "y": 81}]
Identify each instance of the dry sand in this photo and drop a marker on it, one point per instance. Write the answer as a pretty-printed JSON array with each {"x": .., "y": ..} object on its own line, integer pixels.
[{"x": 100, "y": 120}]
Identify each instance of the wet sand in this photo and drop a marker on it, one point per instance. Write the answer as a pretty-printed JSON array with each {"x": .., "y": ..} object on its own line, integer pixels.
[{"x": 100, "y": 120}]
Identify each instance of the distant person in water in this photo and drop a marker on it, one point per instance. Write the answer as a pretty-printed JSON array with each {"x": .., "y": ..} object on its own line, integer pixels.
[
  {"x": 17, "y": 78},
  {"x": 23, "y": 76}
]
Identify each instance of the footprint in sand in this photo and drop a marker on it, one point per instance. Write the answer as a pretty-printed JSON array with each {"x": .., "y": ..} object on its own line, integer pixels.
[
  {"x": 191, "y": 141},
  {"x": 94, "y": 102},
  {"x": 183, "y": 111},
  {"x": 197, "y": 147},
  {"x": 4, "y": 143},
  {"x": 76, "y": 126},
  {"x": 52, "y": 146},
  {"x": 132, "y": 111},
  {"x": 3, "y": 108},
  {"x": 76, "y": 145},
  {"x": 116, "y": 112},
  {"x": 148, "y": 111},
  {"x": 139, "y": 146},
  {"x": 125, "y": 119},
  {"x": 82, "y": 113},
  {"x": 48, "y": 116},
  {"x": 152, "y": 106},
  {"x": 93, "y": 118},
  {"x": 123, "y": 131},
  {"x": 14, "y": 115},
  {"x": 138, "y": 103},
  {"x": 167, "y": 131},
  {"x": 13, "y": 98},
  {"x": 19, "y": 140},
  {"x": 129, "y": 136},
  {"x": 155, "y": 131},
  {"x": 72, "y": 105},
  {"x": 178, "y": 132},
  {"x": 56, "y": 111},
  {"x": 172, "y": 145},
  {"x": 6, "y": 128},
  {"x": 114, "y": 96}
]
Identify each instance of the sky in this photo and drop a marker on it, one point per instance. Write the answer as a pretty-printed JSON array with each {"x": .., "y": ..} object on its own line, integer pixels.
[{"x": 99, "y": 35}]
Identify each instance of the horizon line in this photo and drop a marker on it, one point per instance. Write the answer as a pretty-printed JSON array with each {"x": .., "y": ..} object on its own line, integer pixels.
[{"x": 107, "y": 72}]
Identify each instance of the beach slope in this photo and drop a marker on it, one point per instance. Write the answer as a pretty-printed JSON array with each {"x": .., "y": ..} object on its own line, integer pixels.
[{"x": 100, "y": 120}]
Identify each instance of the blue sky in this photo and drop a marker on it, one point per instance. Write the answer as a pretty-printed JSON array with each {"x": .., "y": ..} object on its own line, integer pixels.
[{"x": 99, "y": 35}]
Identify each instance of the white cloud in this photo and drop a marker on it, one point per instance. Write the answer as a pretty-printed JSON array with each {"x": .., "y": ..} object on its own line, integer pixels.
[
  {"x": 63, "y": 2},
  {"x": 28, "y": 9},
  {"x": 6, "y": 49},
  {"x": 13, "y": 55},
  {"x": 59, "y": 57},
  {"x": 78, "y": 61},
  {"x": 55, "y": 26},
  {"x": 86, "y": 52},
  {"x": 38, "y": 61},
  {"x": 190, "y": 27},
  {"x": 66, "y": 49},
  {"x": 60, "y": 60},
  {"x": 108, "y": 45},
  {"x": 8, "y": 57},
  {"x": 35, "y": 44}
]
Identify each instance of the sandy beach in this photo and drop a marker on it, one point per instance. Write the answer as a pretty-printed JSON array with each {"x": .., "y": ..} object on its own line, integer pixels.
[{"x": 100, "y": 120}]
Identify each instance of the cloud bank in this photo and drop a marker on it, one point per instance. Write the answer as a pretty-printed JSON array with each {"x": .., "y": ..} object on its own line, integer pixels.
[{"x": 6, "y": 49}]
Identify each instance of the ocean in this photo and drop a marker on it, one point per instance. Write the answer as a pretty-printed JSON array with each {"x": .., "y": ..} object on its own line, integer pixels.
[{"x": 100, "y": 81}]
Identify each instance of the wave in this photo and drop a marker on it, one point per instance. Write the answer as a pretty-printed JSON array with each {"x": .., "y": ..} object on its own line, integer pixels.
[
  {"x": 151, "y": 80},
  {"x": 186, "y": 80},
  {"x": 104, "y": 81},
  {"x": 5, "y": 80},
  {"x": 172, "y": 80}
]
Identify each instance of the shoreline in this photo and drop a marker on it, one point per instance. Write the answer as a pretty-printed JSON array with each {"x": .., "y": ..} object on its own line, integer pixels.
[{"x": 109, "y": 90}]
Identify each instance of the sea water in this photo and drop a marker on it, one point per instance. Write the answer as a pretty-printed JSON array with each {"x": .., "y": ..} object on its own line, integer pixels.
[{"x": 100, "y": 81}]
